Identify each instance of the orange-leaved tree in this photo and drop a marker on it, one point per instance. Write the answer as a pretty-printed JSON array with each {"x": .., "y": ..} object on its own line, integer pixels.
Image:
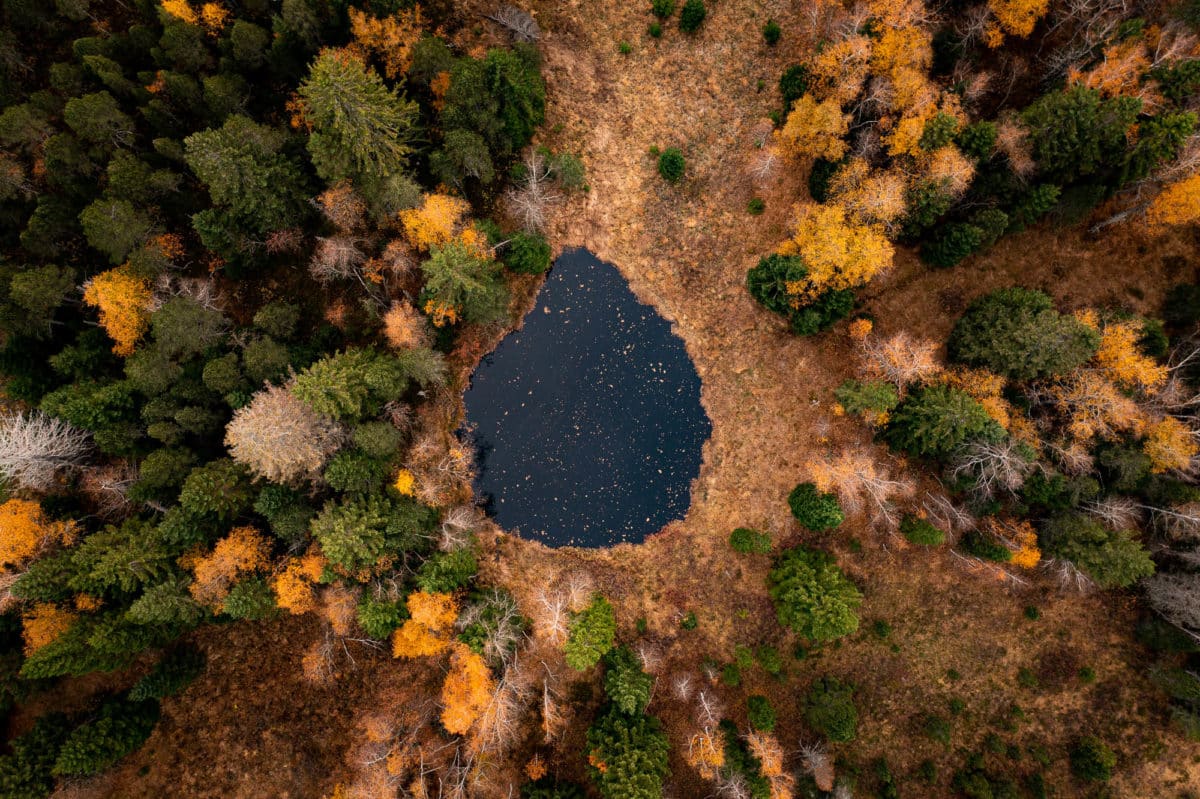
[
  {"x": 391, "y": 38},
  {"x": 43, "y": 624},
  {"x": 123, "y": 299},
  {"x": 25, "y": 531},
  {"x": 1177, "y": 204},
  {"x": 244, "y": 551},
  {"x": 467, "y": 690},
  {"x": 1123, "y": 362},
  {"x": 293, "y": 586},
  {"x": 427, "y": 630}
]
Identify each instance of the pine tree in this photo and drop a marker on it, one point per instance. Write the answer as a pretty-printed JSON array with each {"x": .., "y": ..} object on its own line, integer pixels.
[
  {"x": 812, "y": 596},
  {"x": 591, "y": 634},
  {"x": 625, "y": 684}
]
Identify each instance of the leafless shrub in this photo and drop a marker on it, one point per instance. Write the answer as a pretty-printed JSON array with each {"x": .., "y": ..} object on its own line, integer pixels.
[
  {"x": 681, "y": 687},
  {"x": 971, "y": 25},
  {"x": 553, "y": 616},
  {"x": 458, "y": 524},
  {"x": 843, "y": 791},
  {"x": 519, "y": 23},
  {"x": 901, "y": 359},
  {"x": 945, "y": 514},
  {"x": 650, "y": 657},
  {"x": 336, "y": 258},
  {"x": 732, "y": 786},
  {"x": 35, "y": 449},
  {"x": 1069, "y": 576},
  {"x": 286, "y": 240},
  {"x": 280, "y": 438},
  {"x": 532, "y": 197},
  {"x": 993, "y": 466},
  {"x": 764, "y": 167},
  {"x": 580, "y": 590},
  {"x": 500, "y": 621}
]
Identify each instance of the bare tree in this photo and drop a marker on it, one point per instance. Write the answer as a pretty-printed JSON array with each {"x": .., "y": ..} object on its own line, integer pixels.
[
  {"x": 945, "y": 514},
  {"x": 1069, "y": 576},
  {"x": 336, "y": 258},
  {"x": 1116, "y": 513},
  {"x": 993, "y": 466},
  {"x": 519, "y": 23},
  {"x": 532, "y": 197},
  {"x": 35, "y": 449},
  {"x": 553, "y": 615},
  {"x": 1176, "y": 596},
  {"x": 108, "y": 487},
  {"x": 818, "y": 763}
]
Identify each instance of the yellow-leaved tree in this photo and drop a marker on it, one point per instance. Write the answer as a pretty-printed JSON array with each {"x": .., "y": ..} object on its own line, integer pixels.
[
  {"x": 43, "y": 624},
  {"x": 293, "y": 586},
  {"x": 1177, "y": 204},
  {"x": 838, "y": 253},
  {"x": 435, "y": 222},
  {"x": 123, "y": 299},
  {"x": 1170, "y": 445},
  {"x": 1014, "y": 17},
  {"x": 815, "y": 129}
]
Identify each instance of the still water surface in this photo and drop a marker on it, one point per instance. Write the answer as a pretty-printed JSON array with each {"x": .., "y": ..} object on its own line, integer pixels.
[{"x": 588, "y": 420}]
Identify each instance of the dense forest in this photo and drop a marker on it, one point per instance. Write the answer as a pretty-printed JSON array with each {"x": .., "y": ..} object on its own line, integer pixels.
[{"x": 250, "y": 253}]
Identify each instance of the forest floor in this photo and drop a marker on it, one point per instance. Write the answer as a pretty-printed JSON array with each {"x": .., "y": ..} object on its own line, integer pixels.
[{"x": 251, "y": 727}]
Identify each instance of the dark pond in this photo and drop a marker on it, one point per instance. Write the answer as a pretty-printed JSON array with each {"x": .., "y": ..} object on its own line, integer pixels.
[{"x": 587, "y": 420}]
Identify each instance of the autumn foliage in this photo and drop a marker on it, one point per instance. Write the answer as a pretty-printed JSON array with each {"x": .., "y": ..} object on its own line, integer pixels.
[
  {"x": 43, "y": 623},
  {"x": 25, "y": 531},
  {"x": 428, "y": 628},
  {"x": 838, "y": 252},
  {"x": 467, "y": 690},
  {"x": 241, "y": 553},
  {"x": 435, "y": 222},
  {"x": 123, "y": 300}
]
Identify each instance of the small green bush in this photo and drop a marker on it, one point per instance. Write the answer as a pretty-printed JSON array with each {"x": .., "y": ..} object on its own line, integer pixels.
[
  {"x": 816, "y": 511},
  {"x": 829, "y": 709},
  {"x": 671, "y": 165},
  {"x": 771, "y": 32},
  {"x": 793, "y": 85},
  {"x": 986, "y": 547},
  {"x": 379, "y": 618},
  {"x": 756, "y": 206},
  {"x": 920, "y": 531},
  {"x": 762, "y": 714},
  {"x": 951, "y": 245},
  {"x": 1091, "y": 760},
  {"x": 527, "y": 254},
  {"x": 625, "y": 48},
  {"x": 662, "y": 8},
  {"x": 655, "y": 30},
  {"x": 747, "y": 541},
  {"x": 692, "y": 16},
  {"x": 873, "y": 397},
  {"x": 769, "y": 660}
]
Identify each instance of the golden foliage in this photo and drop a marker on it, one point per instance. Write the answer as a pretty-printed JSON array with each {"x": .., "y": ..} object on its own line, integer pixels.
[
  {"x": 901, "y": 359},
  {"x": 124, "y": 302},
  {"x": 25, "y": 531},
  {"x": 43, "y": 624},
  {"x": 404, "y": 327},
  {"x": 406, "y": 483},
  {"x": 815, "y": 129},
  {"x": 441, "y": 314},
  {"x": 427, "y": 630},
  {"x": 535, "y": 769},
  {"x": 706, "y": 753},
  {"x": 1177, "y": 204},
  {"x": 1124, "y": 363},
  {"x": 1119, "y": 72},
  {"x": 467, "y": 690},
  {"x": 435, "y": 221},
  {"x": 213, "y": 16},
  {"x": 861, "y": 328},
  {"x": 987, "y": 388},
  {"x": 1017, "y": 17},
  {"x": 948, "y": 167},
  {"x": 838, "y": 253},
  {"x": 908, "y": 47},
  {"x": 182, "y": 10},
  {"x": 870, "y": 197},
  {"x": 86, "y": 603},
  {"x": 838, "y": 71},
  {"x": 242, "y": 552},
  {"x": 1170, "y": 445},
  {"x": 293, "y": 586},
  {"x": 391, "y": 38},
  {"x": 1094, "y": 406}
]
